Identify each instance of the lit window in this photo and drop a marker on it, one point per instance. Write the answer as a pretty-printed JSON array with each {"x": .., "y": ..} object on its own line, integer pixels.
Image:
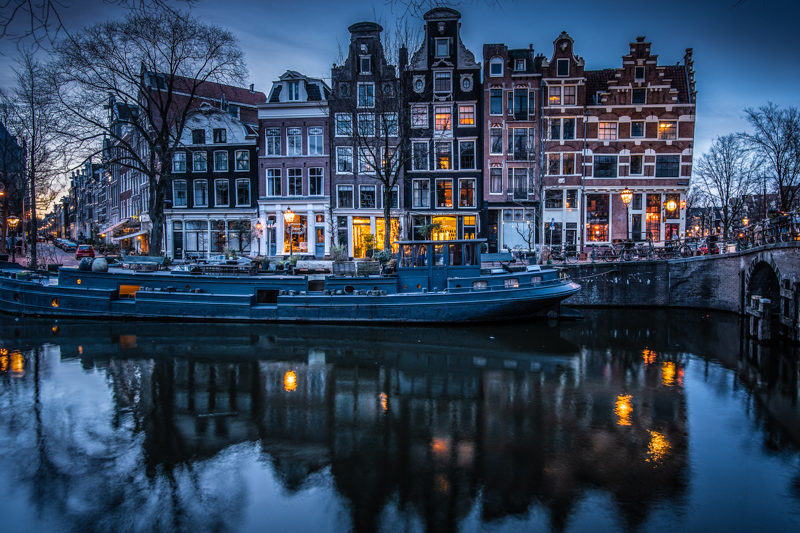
[
  {"x": 444, "y": 193},
  {"x": 668, "y": 130},
  {"x": 466, "y": 115},
  {"x": 607, "y": 131},
  {"x": 443, "y": 155},
  {"x": 466, "y": 192},
  {"x": 554, "y": 95},
  {"x": 442, "y": 118}
]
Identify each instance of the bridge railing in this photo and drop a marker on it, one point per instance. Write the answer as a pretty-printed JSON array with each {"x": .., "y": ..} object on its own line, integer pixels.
[{"x": 783, "y": 228}]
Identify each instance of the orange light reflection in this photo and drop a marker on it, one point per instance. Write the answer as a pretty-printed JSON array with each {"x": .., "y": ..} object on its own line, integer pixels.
[
  {"x": 623, "y": 409},
  {"x": 290, "y": 381}
]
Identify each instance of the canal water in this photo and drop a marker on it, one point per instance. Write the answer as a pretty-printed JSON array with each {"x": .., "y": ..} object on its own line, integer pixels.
[{"x": 627, "y": 420}]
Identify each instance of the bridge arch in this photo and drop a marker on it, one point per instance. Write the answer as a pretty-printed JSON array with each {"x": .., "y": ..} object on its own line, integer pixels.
[{"x": 763, "y": 279}]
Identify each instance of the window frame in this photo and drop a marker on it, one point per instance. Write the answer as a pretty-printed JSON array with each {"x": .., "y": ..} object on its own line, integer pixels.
[
  {"x": 272, "y": 142},
  {"x": 440, "y": 76},
  {"x": 595, "y": 165},
  {"x": 491, "y": 144},
  {"x": 345, "y": 187},
  {"x": 319, "y": 173},
  {"x": 449, "y": 145},
  {"x": 237, "y": 160},
  {"x": 662, "y": 132},
  {"x": 437, "y": 181},
  {"x": 418, "y": 111},
  {"x": 294, "y": 176},
  {"x": 559, "y": 73},
  {"x": 317, "y": 133},
  {"x": 220, "y": 153},
  {"x": 362, "y": 188},
  {"x": 393, "y": 129},
  {"x": 293, "y": 91},
  {"x": 461, "y": 143},
  {"x": 219, "y": 135},
  {"x": 364, "y": 156},
  {"x": 249, "y": 197},
  {"x": 414, "y": 144},
  {"x": 493, "y": 62},
  {"x": 449, "y": 115},
  {"x": 643, "y": 131},
  {"x": 439, "y": 41},
  {"x": 640, "y": 157},
  {"x": 196, "y": 133},
  {"x": 340, "y": 119},
  {"x": 195, "y": 160},
  {"x": 474, "y": 192},
  {"x": 366, "y": 119},
  {"x": 195, "y": 188},
  {"x": 368, "y": 101},
  {"x": 293, "y": 135},
  {"x": 361, "y": 59},
  {"x": 660, "y": 164},
  {"x": 604, "y": 132},
  {"x": 176, "y": 159},
  {"x": 469, "y": 111},
  {"x": 552, "y": 99},
  {"x": 640, "y": 91},
  {"x": 175, "y": 195},
  {"x": 415, "y": 190},
  {"x": 227, "y": 189},
  {"x": 342, "y": 155},
  {"x": 272, "y": 176}
]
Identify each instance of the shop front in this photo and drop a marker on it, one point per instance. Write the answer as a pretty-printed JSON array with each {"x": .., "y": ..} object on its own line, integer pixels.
[
  {"x": 188, "y": 237},
  {"x": 444, "y": 227},
  {"x": 368, "y": 233},
  {"x": 305, "y": 234},
  {"x": 651, "y": 215}
]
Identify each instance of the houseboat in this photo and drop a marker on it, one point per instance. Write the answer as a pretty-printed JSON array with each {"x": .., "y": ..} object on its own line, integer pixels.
[{"x": 434, "y": 282}]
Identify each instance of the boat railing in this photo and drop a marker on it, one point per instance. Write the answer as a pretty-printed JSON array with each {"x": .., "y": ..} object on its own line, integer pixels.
[{"x": 495, "y": 288}]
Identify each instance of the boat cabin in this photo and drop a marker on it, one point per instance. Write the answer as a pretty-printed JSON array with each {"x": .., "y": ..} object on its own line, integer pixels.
[{"x": 426, "y": 265}]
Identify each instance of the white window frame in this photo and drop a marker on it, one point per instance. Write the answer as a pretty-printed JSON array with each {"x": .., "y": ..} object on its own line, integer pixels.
[
  {"x": 369, "y": 101},
  {"x": 502, "y": 148},
  {"x": 344, "y": 152},
  {"x": 437, "y": 42},
  {"x": 195, "y": 160},
  {"x": 274, "y": 175},
  {"x": 474, "y": 192},
  {"x": 361, "y": 59},
  {"x": 368, "y": 118},
  {"x": 550, "y": 90},
  {"x": 249, "y": 197},
  {"x": 424, "y": 113},
  {"x": 293, "y": 95},
  {"x": 289, "y": 179},
  {"x": 519, "y": 65},
  {"x": 436, "y": 109},
  {"x": 496, "y": 62},
  {"x": 474, "y": 118},
  {"x": 321, "y": 181},
  {"x": 630, "y": 165},
  {"x": 343, "y": 118},
  {"x": 364, "y": 166},
  {"x": 236, "y": 160},
  {"x": 644, "y": 129},
  {"x": 388, "y": 130},
  {"x": 415, "y": 205},
  {"x": 228, "y": 185},
  {"x": 298, "y": 136},
  {"x": 217, "y": 153},
  {"x": 374, "y": 195},
  {"x": 311, "y": 132},
  {"x": 564, "y": 95},
  {"x": 176, "y": 159},
  {"x": 272, "y": 142},
  {"x": 474, "y": 154},
  {"x": 435, "y": 192},
  {"x": 606, "y": 135},
  {"x": 174, "y": 195},
  {"x": 194, "y": 193},
  {"x": 436, "y": 159},
  {"x": 345, "y": 187},
  {"x": 449, "y": 73},
  {"x": 414, "y": 153},
  {"x": 661, "y": 136}
]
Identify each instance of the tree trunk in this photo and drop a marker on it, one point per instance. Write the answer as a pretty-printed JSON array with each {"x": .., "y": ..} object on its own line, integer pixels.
[
  {"x": 387, "y": 219},
  {"x": 156, "y": 211}
]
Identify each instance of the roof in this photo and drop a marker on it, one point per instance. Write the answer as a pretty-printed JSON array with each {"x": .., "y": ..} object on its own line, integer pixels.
[
  {"x": 211, "y": 89},
  {"x": 679, "y": 81},
  {"x": 597, "y": 80}
]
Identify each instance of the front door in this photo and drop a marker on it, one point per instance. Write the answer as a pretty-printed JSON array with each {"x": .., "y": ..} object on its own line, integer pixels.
[
  {"x": 438, "y": 267},
  {"x": 319, "y": 250}
]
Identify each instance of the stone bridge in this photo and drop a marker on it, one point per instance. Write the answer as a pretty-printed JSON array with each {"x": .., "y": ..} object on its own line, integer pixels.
[{"x": 725, "y": 282}]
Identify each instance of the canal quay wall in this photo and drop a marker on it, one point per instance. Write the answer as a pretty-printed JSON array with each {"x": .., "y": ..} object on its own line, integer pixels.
[{"x": 723, "y": 282}]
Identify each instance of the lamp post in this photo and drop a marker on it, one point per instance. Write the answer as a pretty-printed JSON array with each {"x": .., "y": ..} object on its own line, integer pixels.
[
  {"x": 270, "y": 227},
  {"x": 288, "y": 218},
  {"x": 259, "y": 227},
  {"x": 627, "y": 195}
]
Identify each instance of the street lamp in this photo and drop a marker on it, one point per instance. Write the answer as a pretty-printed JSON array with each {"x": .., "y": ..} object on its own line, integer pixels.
[
  {"x": 627, "y": 195},
  {"x": 288, "y": 218},
  {"x": 745, "y": 221},
  {"x": 258, "y": 234}
]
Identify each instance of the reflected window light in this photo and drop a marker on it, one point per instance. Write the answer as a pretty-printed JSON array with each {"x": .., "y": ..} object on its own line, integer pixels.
[
  {"x": 290, "y": 381},
  {"x": 657, "y": 448},
  {"x": 623, "y": 409},
  {"x": 17, "y": 364},
  {"x": 3, "y": 363},
  {"x": 384, "y": 398},
  {"x": 440, "y": 447},
  {"x": 649, "y": 356},
  {"x": 442, "y": 485},
  {"x": 668, "y": 373},
  {"x": 80, "y": 350}
]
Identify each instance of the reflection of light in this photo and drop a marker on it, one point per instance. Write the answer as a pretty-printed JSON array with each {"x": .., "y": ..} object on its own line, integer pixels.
[
  {"x": 3, "y": 351},
  {"x": 623, "y": 409},
  {"x": 80, "y": 350},
  {"x": 649, "y": 356},
  {"x": 442, "y": 485},
  {"x": 384, "y": 401},
  {"x": 680, "y": 377},
  {"x": 657, "y": 448},
  {"x": 668, "y": 373},
  {"x": 17, "y": 364},
  {"x": 4, "y": 363},
  {"x": 290, "y": 381},
  {"x": 54, "y": 329},
  {"x": 440, "y": 447}
]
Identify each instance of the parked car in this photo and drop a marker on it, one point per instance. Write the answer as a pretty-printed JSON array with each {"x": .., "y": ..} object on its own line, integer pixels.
[
  {"x": 69, "y": 246},
  {"x": 708, "y": 246},
  {"x": 84, "y": 250}
]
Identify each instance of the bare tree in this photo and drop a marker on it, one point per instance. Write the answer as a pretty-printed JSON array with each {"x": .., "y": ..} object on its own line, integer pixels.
[
  {"x": 776, "y": 140},
  {"x": 725, "y": 175},
  {"x": 155, "y": 62}
]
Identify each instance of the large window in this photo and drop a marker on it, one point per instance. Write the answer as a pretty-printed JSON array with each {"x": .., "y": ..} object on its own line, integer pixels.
[
  {"x": 521, "y": 104},
  {"x": 366, "y": 161},
  {"x": 294, "y": 141},
  {"x": 466, "y": 192},
  {"x": 419, "y": 116},
  {"x": 220, "y": 161},
  {"x": 496, "y": 141},
  {"x": 570, "y": 94},
  {"x": 496, "y": 66},
  {"x": 200, "y": 193},
  {"x": 315, "y": 141},
  {"x": 221, "y": 197},
  {"x": 605, "y": 166},
  {"x": 668, "y": 166},
  {"x": 466, "y": 155},
  {"x": 344, "y": 196},
  {"x": 242, "y": 193},
  {"x": 366, "y": 197},
  {"x": 442, "y": 82},
  {"x": 597, "y": 217},
  {"x": 561, "y": 128},
  {"x": 668, "y": 130},
  {"x": 366, "y": 95},
  {"x": 496, "y": 181},
  {"x": 518, "y": 183},
  {"x": 443, "y": 155},
  {"x": 637, "y": 165},
  {"x": 563, "y": 67},
  {"x": 344, "y": 124},
  {"x": 273, "y": 182},
  {"x": 179, "y": 162},
  {"x": 554, "y": 95},
  {"x": 419, "y": 155},
  {"x": 443, "y": 118},
  {"x": 466, "y": 115},
  {"x": 519, "y": 143},
  {"x": 315, "y": 183},
  {"x": 179, "y": 193},
  {"x": 366, "y": 124},
  {"x": 553, "y": 199},
  {"x": 444, "y": 193},
  {"x": 273, "y": 138},
  {"x": 242, "y": 160},
  {"x": 607, "y": 131},
  {"x": 421, "y": 194},
  {"x": 199, "y": 161},
  {"x": 344, "y": 159},
  {"x": 637, "y": 128},
  {"x": 295, "y": 181},
  {"x": 496, "y": 101},
  {"x": 390, "y": 126},
  {"x": 560, "y": 164}
]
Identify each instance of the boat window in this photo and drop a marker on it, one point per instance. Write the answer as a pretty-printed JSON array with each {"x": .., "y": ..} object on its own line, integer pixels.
[
  {"x": 456, "y": 255},
  {"x": 420, "y": 254},
  {"x": 478, "y": 285},
  {"x": 470, "y": 257},
  {"x": 511, "y": 283},
  {"x": 438, "y": 254},
  {"x": 407, "y": 257},
  {"x": 128, "y": 291},
  {"x": 54, "y": 302},
  {"x": 535, "y": 280}
]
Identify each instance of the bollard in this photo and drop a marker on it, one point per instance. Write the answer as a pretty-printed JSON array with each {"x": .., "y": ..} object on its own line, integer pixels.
[
  {"x": 765, "y": 322},
  {"x": 753, "y": 312}
]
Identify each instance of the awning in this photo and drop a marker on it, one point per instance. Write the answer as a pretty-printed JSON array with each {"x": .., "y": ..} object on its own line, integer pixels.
[
  {"x": 114, "y": 226},
  {"x": 129, "y": 235}
]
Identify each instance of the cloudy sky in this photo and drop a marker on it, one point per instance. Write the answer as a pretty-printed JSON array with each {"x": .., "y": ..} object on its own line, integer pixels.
[{"x": 745, "y": 50}]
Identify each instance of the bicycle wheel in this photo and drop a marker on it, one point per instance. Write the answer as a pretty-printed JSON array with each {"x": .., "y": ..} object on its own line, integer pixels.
[{"x": 685, "y": 251}]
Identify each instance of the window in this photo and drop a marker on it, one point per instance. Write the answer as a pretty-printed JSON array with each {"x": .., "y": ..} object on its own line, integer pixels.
[
  {"x": 242, "y": 160},
  {"x": 553, "y": 164},
  {"x": 554, "y": 95},
  {"x": 569, "y": 128},
  {"x": 570, "y": 94},
  {"x": 220, "y": 161},
  {"x": 605, "y": 166},
  {"x": 366, "y": 124},
  {"x": 555, "y": 129},
  {"x": 519, "y": 65},
  {"x": 668, "y": 166},
  {"x": 366, "y": 197},
  {"x": 639, "y": 73},
  {"x": 637, "y": 165},
  {"x": 443, "y": 152},
  {"x": 442, "y": 118},
  {"x": 607, "y": 131},
  {"x": 519, "y": 143},
  {"x": 466, "y": 115},
  {"x": 220, "y": 135},
  {"x": 639, "y": 96},
  {"x": 295, "y": 181},
  {"x": 563, "y": 67},
  {"x": 179, "y": 162},
  {"x": 518, "y": 182},
  {"x": 419, "y": 150},
  {"x": 242, "y": 192},
  {"x": 344, "y": 124},
  {"x": 365, "y": 64},
  {"x": 273, "y": 182},
  {"x": 561, "y": 128},
  {"x": 496, "y": 181},
  {"x": 315, "y": 183},
  {"x": 273, "y": 142},
  {"x": 442, "y": 82},
  {"x": 637, "y": 128},
  {"x": 572, "y": 199},
  {"x": 344, "y": 196},
  {"x": 366, "y": 95},
  {"x": 466, "y": 192},
  {"x": 201, "y": 193},
  {"x": 442, "y": 47},
  {"x": 466, "y": 155},
  {"x": 199, "y": 161},
  {"x": 344, "y": 159},
  {"x": 496, "y": 141},
  {"x": 179, "y": 193},
  {"x": 668, "y": 130},
  {"x": 390, "y": 126},
  {"x": 510, "y": 100},
  {"x": 294, "y": 141},
  {"x": 496, "y": 66},
  {"x": 315, "y": 141},
  {"x": 419, "y": 116},
  {"x": 567, "y": 164},
  {"x": 366, "y": 161},
  {"x": 294, "y": 90},
  {"x": 444, "y": 193},
  {"x": 198, "y": 136},
  {"x": 394, "y": 198},
  {"x": 521, "y": 104},
  {"x": 421, "y": 194},
  {"x": 553, "y": 199},
  {"x": 221, "y": 198},
  {"x": 597, "y": 217}
]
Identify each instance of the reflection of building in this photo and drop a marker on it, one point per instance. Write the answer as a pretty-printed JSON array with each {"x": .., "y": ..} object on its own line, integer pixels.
[
  {"x": 444, "y": 186},
  {"x": 295, "y": 168}
]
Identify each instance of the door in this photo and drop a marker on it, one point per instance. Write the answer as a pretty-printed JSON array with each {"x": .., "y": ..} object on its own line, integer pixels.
[
  {"x": 438, "y": 267},
  {"x": 319, "y": 250}
]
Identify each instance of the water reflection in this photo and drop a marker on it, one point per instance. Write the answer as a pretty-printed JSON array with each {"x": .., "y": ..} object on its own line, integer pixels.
[{"x": 153, "y": 427}]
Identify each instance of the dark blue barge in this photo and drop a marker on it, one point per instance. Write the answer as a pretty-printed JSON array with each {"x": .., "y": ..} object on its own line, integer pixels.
[{"x": 435, "y": 281}]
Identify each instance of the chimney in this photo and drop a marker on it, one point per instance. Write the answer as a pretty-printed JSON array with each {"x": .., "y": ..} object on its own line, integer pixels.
[
  {"x": 403, "y": 58},
  {"x": 252, "y": 88}
]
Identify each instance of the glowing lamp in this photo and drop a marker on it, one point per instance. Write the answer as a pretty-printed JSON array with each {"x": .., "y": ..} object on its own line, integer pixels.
[
  {"x": 288, "y": 215},
  {"x": 626, "y": 195},
  {"x": 671, "y": 205},
  {"x": 745, "y": 221}
]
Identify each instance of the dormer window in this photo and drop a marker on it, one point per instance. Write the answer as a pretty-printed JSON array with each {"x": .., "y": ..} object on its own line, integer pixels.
[
  {"x": 294, "y": 90},
  {"x": 442, "y": 47},
  {"x": 563, "y": 67},
  {"x": 198, "y": 136},
  {"x": 365, "y": 65},
  {"x": 442, "y": 82},
  {"x": 363, "y": 48},
  {"x": 639, "y": 74},
  {"x": 496, "y": 66},
  {"x": 219, "y": 135},
  {"x": 519, "y": 65}
]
